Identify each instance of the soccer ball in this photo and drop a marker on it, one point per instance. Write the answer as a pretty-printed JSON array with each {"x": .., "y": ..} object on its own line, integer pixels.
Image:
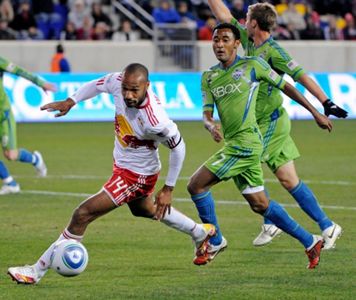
[{"x": 69, "y": 258}]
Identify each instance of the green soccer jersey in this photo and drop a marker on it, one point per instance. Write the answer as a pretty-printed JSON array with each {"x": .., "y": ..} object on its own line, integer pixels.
[
  {"x": 6, "y": 66},
  {"x": 279, "y": 60},
  {"x": 234, "y": 91}
]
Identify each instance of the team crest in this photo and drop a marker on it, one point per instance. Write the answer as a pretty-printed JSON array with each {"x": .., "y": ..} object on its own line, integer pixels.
[{"x": 237, "y": 74}]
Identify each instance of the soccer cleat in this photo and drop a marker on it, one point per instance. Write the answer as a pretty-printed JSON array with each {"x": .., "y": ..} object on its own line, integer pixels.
[
  {"x": 9, "y": 189},
  {"x": 330, "y": 235},
  {"x": 24, "y": 275},
  {"x": 314, "y": 253},
  {"x": 40, "y": 165},
  {"x": 211, "y": 252},
  {"x": 201, "y": 244},
  {"x": 268, "y": 233}
]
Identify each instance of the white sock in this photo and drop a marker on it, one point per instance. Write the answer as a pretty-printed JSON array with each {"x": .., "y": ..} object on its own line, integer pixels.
[
  {"x": 7, "y": 180},
  {"x": 183, "y": 223},
  {"x": 44, "y": 262}
]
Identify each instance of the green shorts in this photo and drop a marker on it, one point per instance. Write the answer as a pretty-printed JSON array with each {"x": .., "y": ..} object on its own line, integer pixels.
[
  {"x": 278, "y": 146},
  {"x": 8, "y": 130},
  {"x": 243, "y": 166}
]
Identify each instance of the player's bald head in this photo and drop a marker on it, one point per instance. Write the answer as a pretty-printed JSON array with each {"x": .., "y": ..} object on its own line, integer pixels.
[
  {"x": 137, "y": 69},
  {"x": 134, "y": 84}
]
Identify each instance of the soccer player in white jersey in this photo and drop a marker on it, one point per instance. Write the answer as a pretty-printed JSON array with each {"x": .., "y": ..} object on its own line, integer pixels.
[{"x": 141, "y": 124}]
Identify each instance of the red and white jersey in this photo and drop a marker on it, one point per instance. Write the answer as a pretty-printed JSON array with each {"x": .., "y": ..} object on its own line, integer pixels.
[{"x": 138, "y": 131}]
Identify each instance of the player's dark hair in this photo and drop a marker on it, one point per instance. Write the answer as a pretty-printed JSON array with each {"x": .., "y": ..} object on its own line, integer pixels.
[
  {"x": 233, "y": 28},
  {"x": 137, "y": 68},
  {"x": 264, "y": 14},
  {"x": 59, "y": 48}
]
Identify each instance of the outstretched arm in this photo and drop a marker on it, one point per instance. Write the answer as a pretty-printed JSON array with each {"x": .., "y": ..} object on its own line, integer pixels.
[
  {"x": 62, "y": 106},
  {"x": 220, "y": 11},
  {"x": 330, "y": 108},
  {"x": 294, "y": 94},
  {"x": 87, "y": 91},
  {"x": 10, "y": 67}
]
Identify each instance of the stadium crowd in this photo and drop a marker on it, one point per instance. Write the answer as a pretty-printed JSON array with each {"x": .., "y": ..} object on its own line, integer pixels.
[{"x": 101, "y": 20}]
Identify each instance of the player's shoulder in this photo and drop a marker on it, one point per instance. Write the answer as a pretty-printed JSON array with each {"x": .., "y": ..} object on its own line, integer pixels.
[
  {"x": 111, "y": 80},
  {"x": 212, "y": 69},
  {"x": 116, "y": 76},
  {"x": 154, "y": 109},
  {"x": 277, "y": 51},
  {"x": 255, "y": 61},
  {"x": 211, "y": 72}
]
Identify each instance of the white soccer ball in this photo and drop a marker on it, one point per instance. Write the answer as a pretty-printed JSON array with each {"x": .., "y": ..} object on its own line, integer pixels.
[{"x": 69, "y": 258}]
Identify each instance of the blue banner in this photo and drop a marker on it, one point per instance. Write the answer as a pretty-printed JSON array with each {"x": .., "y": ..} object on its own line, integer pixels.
[{"x": 179, "y": 93}]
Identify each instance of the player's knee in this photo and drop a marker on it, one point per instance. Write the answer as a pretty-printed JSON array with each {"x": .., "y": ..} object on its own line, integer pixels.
[
  {"x": 143, "y": 213},
  {"x": 287, "y": 183},
  {"x": 193, "y": 188}
]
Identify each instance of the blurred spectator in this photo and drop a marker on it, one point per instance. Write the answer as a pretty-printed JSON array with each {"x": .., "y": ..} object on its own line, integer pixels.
[
  {"x": 165, "y": 13},
  {"x": 79, "y": 15},
  {"x": 85, "y": 32},
  {"x": 206, "y": 32},
  {"x": 59, "y": 63},
  {"x": 86, "y": 3},
  {"x": 331, "y": 32},
  {"x": 6, "y": 33},
  {"x": 126, "y": 33},
  {"x": 293, "y": 17},
  {"x": 349, "y": 31},
  {"x": 99, "y": 16},
  {"x": 48, "y": 21},
  {"x": 25, "y": 24},
  {"x": 313, "y": 30},
  {"x": 184, "y": 13},
  {"x": 101, "y": 31},
  {"x": 61, "y": 8},
  {"x": 238, "y": 10},
  {"x": 6, "y": 10},
  {"x": 69, "y": 33},
  {"x": 286, "y": 32},
  {"x": 201, "y": 10}
]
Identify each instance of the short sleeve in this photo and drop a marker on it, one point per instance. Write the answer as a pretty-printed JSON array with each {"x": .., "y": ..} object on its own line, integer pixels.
[
  {"x": 208, "y": 98},
  {"x": 282, "y": 61},
  {"x": 266, "y": 73}
]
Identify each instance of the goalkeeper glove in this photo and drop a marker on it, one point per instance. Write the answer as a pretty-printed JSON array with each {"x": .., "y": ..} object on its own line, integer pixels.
[{"x": 330, "y": 108}]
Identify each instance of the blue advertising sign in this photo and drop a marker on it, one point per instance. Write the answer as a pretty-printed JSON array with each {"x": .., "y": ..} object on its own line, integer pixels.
[{"x": 178, "y": 92}]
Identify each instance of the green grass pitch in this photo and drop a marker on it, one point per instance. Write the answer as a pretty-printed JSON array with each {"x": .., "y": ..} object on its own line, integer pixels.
[{"x": 132, "y": 258}]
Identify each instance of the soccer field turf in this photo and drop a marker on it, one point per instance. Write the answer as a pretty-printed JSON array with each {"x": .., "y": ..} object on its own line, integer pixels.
[{"x": 133, "y": 258}]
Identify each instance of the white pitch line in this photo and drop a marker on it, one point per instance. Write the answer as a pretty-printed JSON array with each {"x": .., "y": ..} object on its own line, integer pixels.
[
  {"x": 186, "y": 178},
  {"x": 225, "y": 202}
]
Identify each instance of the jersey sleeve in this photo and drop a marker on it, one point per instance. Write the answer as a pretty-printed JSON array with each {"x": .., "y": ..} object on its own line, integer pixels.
[
  {"x": 167, "y": 133},
  {"x": 264, "y": 72},
  {"x": 93, "y": 88},
  {"x": 10, "y": 67},
  {"x": 283, "y": 62},
  {"x": 208, "y": 98},
  {"x": 243, "y": 32},
  {"x": 109, "y": 82}
]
